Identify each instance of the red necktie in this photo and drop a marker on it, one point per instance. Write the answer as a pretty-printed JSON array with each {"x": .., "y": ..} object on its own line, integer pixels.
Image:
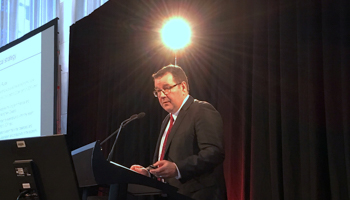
[{"x": 166, "y": 137}]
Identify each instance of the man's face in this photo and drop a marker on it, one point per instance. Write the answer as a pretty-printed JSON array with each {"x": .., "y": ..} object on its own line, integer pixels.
[{"x": 172, "y": 101}]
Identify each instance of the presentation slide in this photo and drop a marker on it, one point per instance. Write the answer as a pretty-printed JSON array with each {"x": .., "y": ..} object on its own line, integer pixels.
[
  {"x": 27, "y": 87},
  {"x": 20, "y": 76}
]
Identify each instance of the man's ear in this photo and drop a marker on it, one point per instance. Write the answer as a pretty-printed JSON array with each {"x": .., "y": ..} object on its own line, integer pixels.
[{"x": 184, "y": 86}]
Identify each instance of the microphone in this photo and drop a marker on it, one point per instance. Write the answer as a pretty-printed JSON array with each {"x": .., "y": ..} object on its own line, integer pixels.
[
  {"x": 140, "y": 115},
  {"x": 125, "y": 122},
  {"x": 134, "y": 116}
]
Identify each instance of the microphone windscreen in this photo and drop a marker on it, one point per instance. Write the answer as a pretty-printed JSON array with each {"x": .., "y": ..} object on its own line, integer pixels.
[{"x": 140, "y": 115}]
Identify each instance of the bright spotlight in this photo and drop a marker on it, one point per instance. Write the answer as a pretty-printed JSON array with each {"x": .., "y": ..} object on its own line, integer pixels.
[{"x": 176, "y": 33}]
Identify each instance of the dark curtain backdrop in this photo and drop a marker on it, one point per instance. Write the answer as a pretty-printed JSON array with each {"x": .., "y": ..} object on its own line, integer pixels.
[{"x": 276, "y": 70}]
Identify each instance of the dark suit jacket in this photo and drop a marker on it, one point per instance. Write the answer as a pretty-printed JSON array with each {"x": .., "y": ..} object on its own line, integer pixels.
[{"x": 195, "y": 144}]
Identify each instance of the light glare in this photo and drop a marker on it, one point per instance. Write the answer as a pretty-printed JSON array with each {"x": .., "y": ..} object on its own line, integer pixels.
[{"x": 176, "y": 33}]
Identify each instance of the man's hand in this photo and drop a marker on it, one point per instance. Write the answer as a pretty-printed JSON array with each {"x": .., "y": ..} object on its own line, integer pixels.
[
  {"x": 140, "y": 169},
  {"x": 166, "y": 169}
]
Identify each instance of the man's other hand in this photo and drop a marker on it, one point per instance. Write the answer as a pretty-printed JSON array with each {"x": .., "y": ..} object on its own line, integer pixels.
[
  {"x": 140, "y": 169},
  {"x": 166, "y": 169}
]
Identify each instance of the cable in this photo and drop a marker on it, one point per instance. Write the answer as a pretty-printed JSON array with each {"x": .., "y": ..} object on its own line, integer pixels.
[{"x": 22, "y": 193}]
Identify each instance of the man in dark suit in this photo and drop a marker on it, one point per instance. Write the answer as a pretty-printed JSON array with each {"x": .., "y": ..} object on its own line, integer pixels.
[{"x": 190, "y": 150}]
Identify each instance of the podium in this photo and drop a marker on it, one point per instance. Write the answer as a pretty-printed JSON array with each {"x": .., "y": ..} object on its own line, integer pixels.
[{"x": 93, "y": 169}]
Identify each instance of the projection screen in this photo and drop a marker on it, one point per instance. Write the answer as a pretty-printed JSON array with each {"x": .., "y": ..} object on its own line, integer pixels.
[{"x": 28, "y": 84}]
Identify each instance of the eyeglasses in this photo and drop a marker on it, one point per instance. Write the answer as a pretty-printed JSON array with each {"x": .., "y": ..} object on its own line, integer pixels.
[{"x": 166, "y": 90}]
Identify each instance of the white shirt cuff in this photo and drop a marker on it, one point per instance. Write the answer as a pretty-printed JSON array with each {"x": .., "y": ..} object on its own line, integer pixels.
[{"x": 178, "y": 176}]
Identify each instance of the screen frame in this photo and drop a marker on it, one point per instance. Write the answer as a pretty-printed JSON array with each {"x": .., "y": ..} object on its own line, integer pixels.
[{"x": 55, "y": 118}]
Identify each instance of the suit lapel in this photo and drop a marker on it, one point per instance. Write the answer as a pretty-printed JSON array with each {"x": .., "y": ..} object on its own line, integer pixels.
[{"x": 177, "y": 123}]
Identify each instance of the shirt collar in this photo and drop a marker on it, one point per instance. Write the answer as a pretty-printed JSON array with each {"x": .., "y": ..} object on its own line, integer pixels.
[{"x": 177, "y": 112}]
